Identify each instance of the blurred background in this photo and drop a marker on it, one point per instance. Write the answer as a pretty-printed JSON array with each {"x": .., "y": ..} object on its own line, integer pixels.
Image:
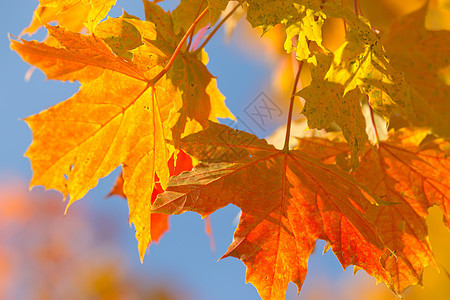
[{"x": 91, "y": 253}]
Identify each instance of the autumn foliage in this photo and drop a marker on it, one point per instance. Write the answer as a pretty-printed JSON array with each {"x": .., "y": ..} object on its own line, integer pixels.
[{"x": 148, "y": 104}]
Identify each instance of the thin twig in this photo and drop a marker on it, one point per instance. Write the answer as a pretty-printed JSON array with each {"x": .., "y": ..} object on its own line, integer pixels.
[
  {"x": 355, "y": 7},
  {"x": 359, "y": 9},
  {"x": 177, "y": 50},
  {"x": 218, "y": 27},
  {"x": 191, "y": 36}
]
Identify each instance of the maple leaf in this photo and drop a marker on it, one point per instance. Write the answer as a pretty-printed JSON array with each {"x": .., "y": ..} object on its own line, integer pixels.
[
  {"x": 421, "y": 54},
  {"x": 86, "y": 62},
  {"x": 160, "y": 222},
  {"x": 338, "y": 78},
  {"x": 361, "y": 62},
  {"x": 268, "y": 13},
  {"x": 72, "y": 20},
  {"x": 129, "y": 38},
  {"x": 306, "y": 23},
  {"x": 303, "y": 19},
  {"x": 70, "y": 14},
  {"x": 288, "y": 200},
  {"x": 326, "y": 102},
  {"x": 116, "y": 118},
  {"x": 186, "y": 12},
  {"x": 409, "y": 175}
]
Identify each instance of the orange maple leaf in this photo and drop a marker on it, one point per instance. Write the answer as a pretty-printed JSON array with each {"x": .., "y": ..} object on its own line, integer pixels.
[
  {"x": 288, "y": 200},
  {"x": 118, "y": 117},
  {"x": 410, "y": 176}
]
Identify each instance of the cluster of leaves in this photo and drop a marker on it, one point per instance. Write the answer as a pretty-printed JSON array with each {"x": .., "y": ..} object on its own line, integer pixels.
[{"x": 146, "y": 96}]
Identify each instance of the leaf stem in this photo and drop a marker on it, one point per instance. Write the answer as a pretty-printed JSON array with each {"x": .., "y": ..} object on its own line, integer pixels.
[
  {"x": 291, "y": 107},
  {"x": 377, "y": 138},
  {"x": 191, "y": 36},
  {"x": 177, "y": 50},
  {"x": 218, "y": 27},
  {"x": 357, "y": 8}
]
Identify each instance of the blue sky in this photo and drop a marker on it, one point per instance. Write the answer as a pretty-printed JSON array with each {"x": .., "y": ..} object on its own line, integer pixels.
[{"x": 183, "y": 255}]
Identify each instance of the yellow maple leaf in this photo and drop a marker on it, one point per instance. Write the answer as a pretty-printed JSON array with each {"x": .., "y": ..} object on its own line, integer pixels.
[
  {"x": 117, "y": 118},
  {"x": 307, "y": 24},
  {"x": 361, "y": 61},
  {"x": 70, "y": 14}
]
